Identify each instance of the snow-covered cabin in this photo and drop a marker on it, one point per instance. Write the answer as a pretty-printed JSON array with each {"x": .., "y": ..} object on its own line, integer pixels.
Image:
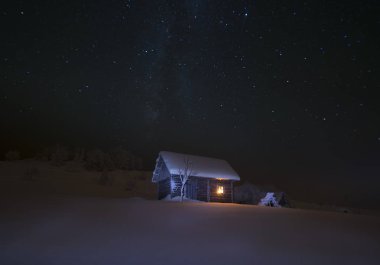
[{"x": 210, "y": 179}]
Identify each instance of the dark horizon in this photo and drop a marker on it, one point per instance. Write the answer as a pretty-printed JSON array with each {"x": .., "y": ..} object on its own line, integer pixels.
[{"x": 285, "y": 92}]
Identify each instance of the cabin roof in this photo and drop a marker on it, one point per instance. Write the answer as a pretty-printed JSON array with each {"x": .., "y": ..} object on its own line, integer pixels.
[{"x": 205, "y": 167}]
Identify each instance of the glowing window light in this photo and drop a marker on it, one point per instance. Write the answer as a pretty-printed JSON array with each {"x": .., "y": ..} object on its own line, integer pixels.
[{"x": 220, "y": 190}]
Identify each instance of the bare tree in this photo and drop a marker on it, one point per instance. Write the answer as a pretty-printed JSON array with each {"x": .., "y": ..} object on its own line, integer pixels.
[
  {"x": 184, "y": 174},
  {"x": 59, "y": 155},
  {"x": 12, "y": 155},
  {"x": 79, "y": 155}
]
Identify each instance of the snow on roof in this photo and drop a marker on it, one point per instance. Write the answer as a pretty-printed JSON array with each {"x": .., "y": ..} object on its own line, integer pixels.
[{"x": 201, "y": 166}]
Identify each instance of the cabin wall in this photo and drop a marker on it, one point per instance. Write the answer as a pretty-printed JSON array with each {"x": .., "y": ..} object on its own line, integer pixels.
[
  {"x": 175, "y": 185},
  {"x": 191, "y": 187},
  {"x": 210, "y": 194},
  {"x": 202, "y": 189},
  {"x": 226, "y": 196},
  {"x": 163, "y": 188}
]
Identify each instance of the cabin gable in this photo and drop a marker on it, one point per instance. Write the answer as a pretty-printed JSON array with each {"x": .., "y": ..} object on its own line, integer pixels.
[{"x": 161, "y": 175}]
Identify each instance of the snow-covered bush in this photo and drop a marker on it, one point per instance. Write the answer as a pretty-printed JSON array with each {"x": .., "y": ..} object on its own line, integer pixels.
[
  {"x": 252, "y": 194},
  {"x": 12, "y": 155},
  {"x": 269, "y": 200}
]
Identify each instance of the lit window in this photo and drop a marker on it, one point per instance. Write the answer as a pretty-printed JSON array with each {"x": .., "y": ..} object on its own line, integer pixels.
[{"x": 220, "y": 190}]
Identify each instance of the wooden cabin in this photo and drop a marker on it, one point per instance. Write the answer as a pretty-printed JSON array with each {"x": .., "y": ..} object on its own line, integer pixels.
[{"x": 210, "y": 180}]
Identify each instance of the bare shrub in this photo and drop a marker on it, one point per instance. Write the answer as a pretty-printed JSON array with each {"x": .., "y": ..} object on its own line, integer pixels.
[
  {"x": 59, "y": 155},
  {"x": 79, "y": 155},
  {"x": 98, "y": 160},
  {"x": 105, "y": 179},
  {"x": 125, "y": 160},
  {"x": 248, "y": 193},
  {"x": 44, "y": 155},
  {"x": 12, "y": 155},
  {"x": 122, "y": 159}
]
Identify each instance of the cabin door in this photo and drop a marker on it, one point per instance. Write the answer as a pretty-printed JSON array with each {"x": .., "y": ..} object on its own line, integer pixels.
[{"x": 191, "y": 189}]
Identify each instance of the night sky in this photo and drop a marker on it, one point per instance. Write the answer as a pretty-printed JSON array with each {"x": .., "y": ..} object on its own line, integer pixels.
[{"x": 286, "y": 91}]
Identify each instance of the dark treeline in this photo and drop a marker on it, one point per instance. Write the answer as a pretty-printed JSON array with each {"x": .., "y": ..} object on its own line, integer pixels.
[{"x": 92, "y": 158}]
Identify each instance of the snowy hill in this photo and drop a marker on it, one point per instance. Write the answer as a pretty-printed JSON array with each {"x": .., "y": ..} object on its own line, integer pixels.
[
  {"x": 36, "y": 178},
  {"x": 114, "y": 231}
]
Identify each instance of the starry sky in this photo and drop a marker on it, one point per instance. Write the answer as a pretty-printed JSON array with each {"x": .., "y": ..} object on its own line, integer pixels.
[{"x": 286, "y": 91}]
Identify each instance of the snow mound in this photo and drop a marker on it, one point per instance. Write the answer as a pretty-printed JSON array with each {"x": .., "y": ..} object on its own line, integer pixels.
[
  {"x": 269, "y": 200},
  {"x": 115, "y": 231},
  {"x": 178, "y": 199}
]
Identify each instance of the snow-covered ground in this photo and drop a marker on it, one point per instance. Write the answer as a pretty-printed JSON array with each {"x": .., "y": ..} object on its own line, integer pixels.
[{"x": 113, "y": 231}]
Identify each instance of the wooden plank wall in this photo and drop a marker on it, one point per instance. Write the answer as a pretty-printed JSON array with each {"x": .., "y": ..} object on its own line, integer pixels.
[
  {"x": 202, "y": 189},
  {"x": 227, "y": 190},
  {"x": 176, "y": 181},
  {"x": 163, "y": 188},
  {"x": 203, "y": 194}
]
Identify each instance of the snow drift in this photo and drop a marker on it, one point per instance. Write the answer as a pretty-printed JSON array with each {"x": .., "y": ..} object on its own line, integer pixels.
[{"x": 136, "y": 231}]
